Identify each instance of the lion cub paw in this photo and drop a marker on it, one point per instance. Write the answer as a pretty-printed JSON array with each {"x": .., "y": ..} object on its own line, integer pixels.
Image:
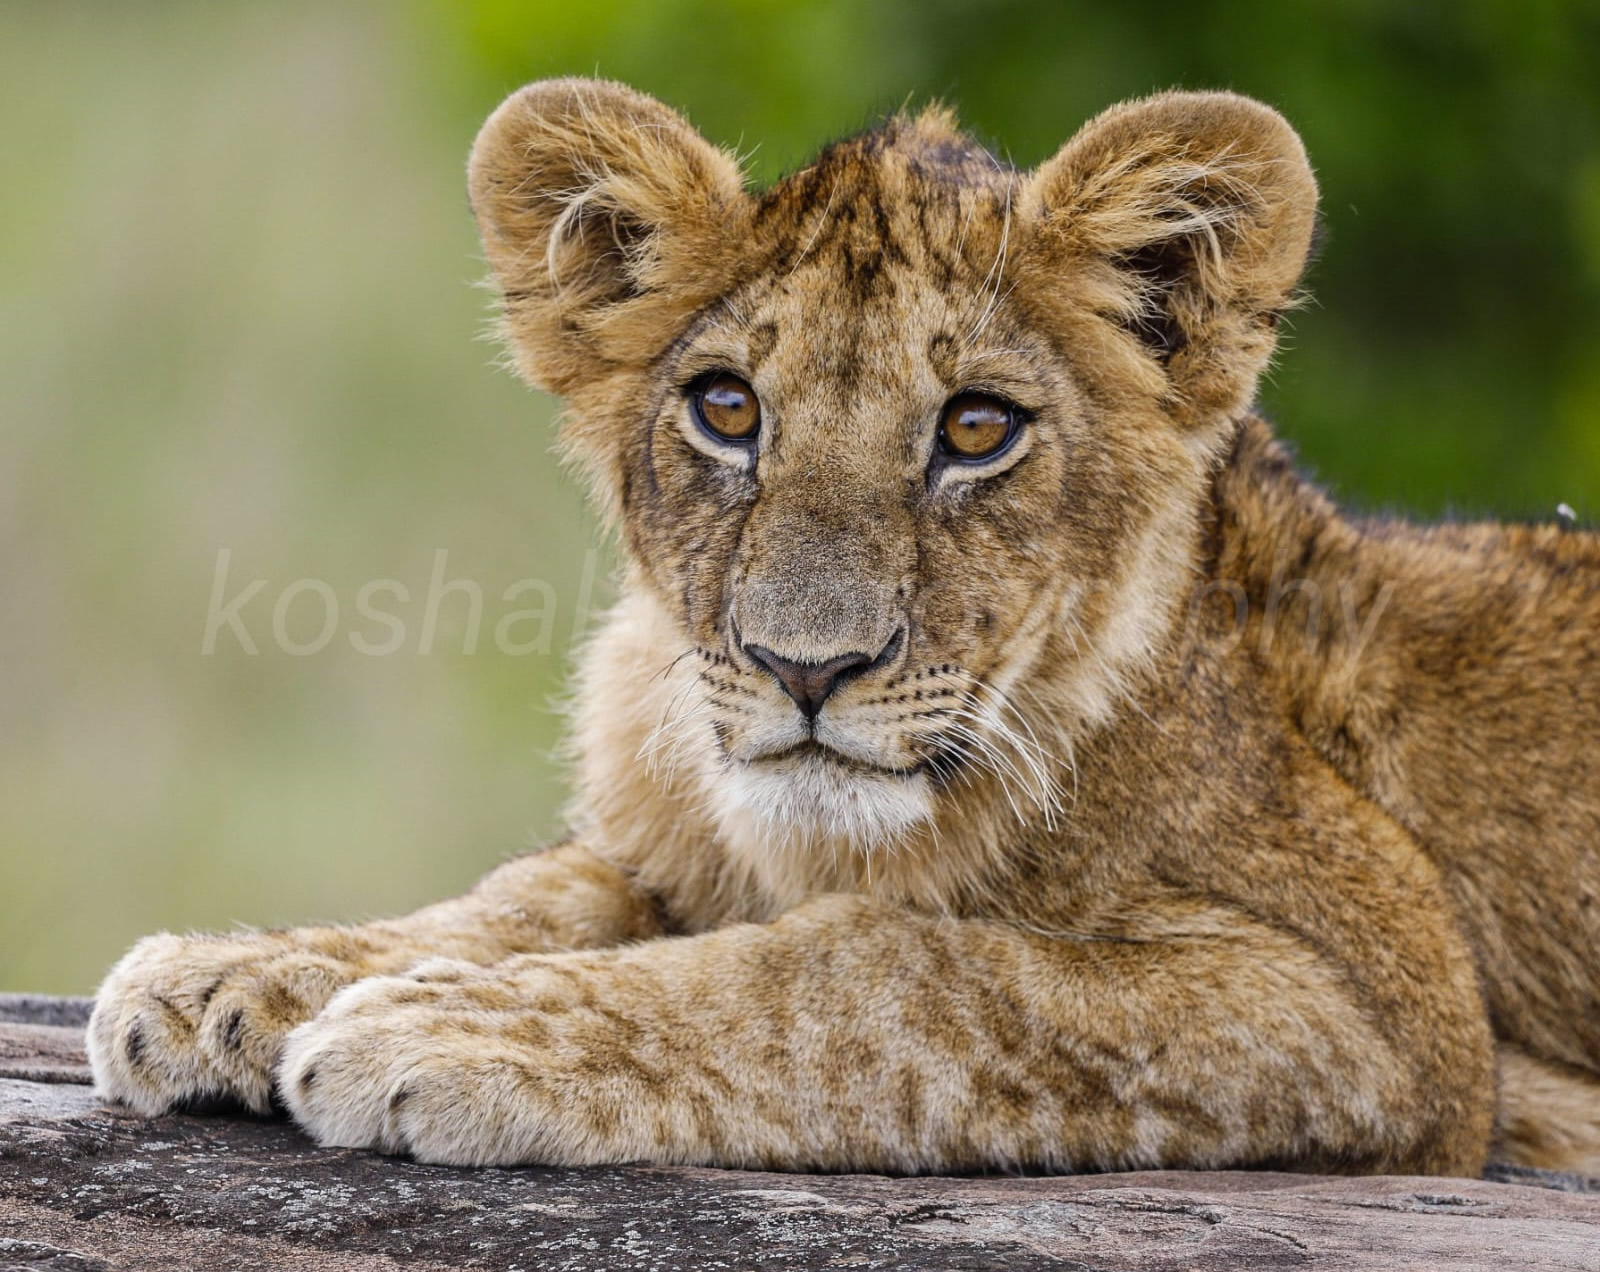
[
  {"x": 182, "y": 1021},
  {"x": 447, "y": 1064}
]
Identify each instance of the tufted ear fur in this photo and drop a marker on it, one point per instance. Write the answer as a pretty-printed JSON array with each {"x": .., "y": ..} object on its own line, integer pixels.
[
  {"x": 1186, "y": 219},
  {"x": 605, "y": 218}
]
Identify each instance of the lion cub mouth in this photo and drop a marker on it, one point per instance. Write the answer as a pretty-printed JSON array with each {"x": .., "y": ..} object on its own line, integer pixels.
[{"x": 811, "y": 753}]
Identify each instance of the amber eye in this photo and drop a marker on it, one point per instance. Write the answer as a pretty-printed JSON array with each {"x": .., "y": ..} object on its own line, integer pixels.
[
  {"x": 726, "y": 407},
  {"x": 976, "y": 426}
]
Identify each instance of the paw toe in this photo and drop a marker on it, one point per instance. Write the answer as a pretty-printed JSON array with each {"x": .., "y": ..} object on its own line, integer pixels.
[
  {"x": 141, "y": 1048},
  {"x": 188, "y": 1022}
]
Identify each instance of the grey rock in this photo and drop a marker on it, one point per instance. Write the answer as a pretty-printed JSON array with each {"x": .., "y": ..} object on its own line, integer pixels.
[{"x": 38, "y": 1009}]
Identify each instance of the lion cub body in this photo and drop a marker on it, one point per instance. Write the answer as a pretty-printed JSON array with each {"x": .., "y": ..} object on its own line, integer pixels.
[{"x": 1166, "y": 817}]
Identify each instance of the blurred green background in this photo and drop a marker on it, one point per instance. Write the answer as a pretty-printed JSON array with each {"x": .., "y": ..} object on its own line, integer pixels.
[{"x": 237, "y": 313}]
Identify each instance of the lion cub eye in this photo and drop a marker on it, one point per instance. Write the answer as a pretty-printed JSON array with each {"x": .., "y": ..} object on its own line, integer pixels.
[
  {"x": 727, "y": 408},
  {"x": 976, "y": 426}
]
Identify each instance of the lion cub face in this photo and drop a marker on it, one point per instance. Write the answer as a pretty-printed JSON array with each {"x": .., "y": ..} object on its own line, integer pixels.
[
  {"x": 850, "y": 492},
  {"x": 905, "y": 430}
]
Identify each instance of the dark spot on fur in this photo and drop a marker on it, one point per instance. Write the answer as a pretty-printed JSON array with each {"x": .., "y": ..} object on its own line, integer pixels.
[
  {"x": 760, "y": 344},
  {"x": 232, "y": 1030},
  {"x": 134, "y": 1046},
  {"x": 308, "y": 1079},
  {"x": 943, "y": 352}
]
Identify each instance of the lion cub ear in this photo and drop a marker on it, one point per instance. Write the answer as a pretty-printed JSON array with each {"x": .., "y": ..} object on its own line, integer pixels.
[
  {"x": 1186, "y": 219},
  {"x": 607, "y": 220}
]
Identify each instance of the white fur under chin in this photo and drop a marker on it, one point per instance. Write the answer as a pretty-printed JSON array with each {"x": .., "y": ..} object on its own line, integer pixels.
[{"x": 813, "y": 799}]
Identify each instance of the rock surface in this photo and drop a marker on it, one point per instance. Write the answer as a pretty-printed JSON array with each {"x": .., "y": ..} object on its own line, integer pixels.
[{"x": 89, "y": 1188}]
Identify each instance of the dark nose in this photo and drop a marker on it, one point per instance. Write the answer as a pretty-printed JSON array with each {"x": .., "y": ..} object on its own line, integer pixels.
[{"x": 809, "y": 684}]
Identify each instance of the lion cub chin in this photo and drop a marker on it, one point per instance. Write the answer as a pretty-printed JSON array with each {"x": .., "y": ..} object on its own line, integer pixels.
[
  {"x": 999, "y": 756},
  {"x": 818, "y": 798}
]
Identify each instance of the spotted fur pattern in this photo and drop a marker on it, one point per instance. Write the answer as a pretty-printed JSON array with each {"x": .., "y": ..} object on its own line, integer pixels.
[{"x": 1172, "y": 818}]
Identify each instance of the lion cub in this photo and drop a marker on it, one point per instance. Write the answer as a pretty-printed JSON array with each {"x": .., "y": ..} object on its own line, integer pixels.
[{"x": 998, "y": 756}]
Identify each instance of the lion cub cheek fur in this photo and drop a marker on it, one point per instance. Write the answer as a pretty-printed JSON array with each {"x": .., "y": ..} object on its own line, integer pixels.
[{"x": 1081, "y": 892}]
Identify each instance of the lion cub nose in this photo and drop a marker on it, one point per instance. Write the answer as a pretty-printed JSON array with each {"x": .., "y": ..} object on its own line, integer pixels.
[{"x": 809, "y": 684}]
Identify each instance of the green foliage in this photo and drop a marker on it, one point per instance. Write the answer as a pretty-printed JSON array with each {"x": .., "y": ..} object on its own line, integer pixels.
[{"x": 235, "y": 300}]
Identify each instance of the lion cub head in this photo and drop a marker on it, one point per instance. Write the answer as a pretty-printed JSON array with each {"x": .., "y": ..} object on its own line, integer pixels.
[{"x": 911, "y": 447}]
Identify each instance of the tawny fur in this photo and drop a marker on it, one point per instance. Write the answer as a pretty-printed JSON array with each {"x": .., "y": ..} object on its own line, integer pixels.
[{"x": 1181, "y": 821}]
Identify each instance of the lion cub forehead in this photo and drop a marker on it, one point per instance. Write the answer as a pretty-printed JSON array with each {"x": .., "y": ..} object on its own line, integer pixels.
[
  {"x": 880, "y": 261},
  {"x": 915, "y": 191}
]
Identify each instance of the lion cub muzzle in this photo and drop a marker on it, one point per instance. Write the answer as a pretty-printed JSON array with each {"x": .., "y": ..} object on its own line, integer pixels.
[{"x": 821, "y": 590}]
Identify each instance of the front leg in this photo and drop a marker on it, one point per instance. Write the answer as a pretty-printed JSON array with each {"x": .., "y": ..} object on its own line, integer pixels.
[
  {"x": 849, "y": 1036},
  {"x": 187, "y": 1020}
]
